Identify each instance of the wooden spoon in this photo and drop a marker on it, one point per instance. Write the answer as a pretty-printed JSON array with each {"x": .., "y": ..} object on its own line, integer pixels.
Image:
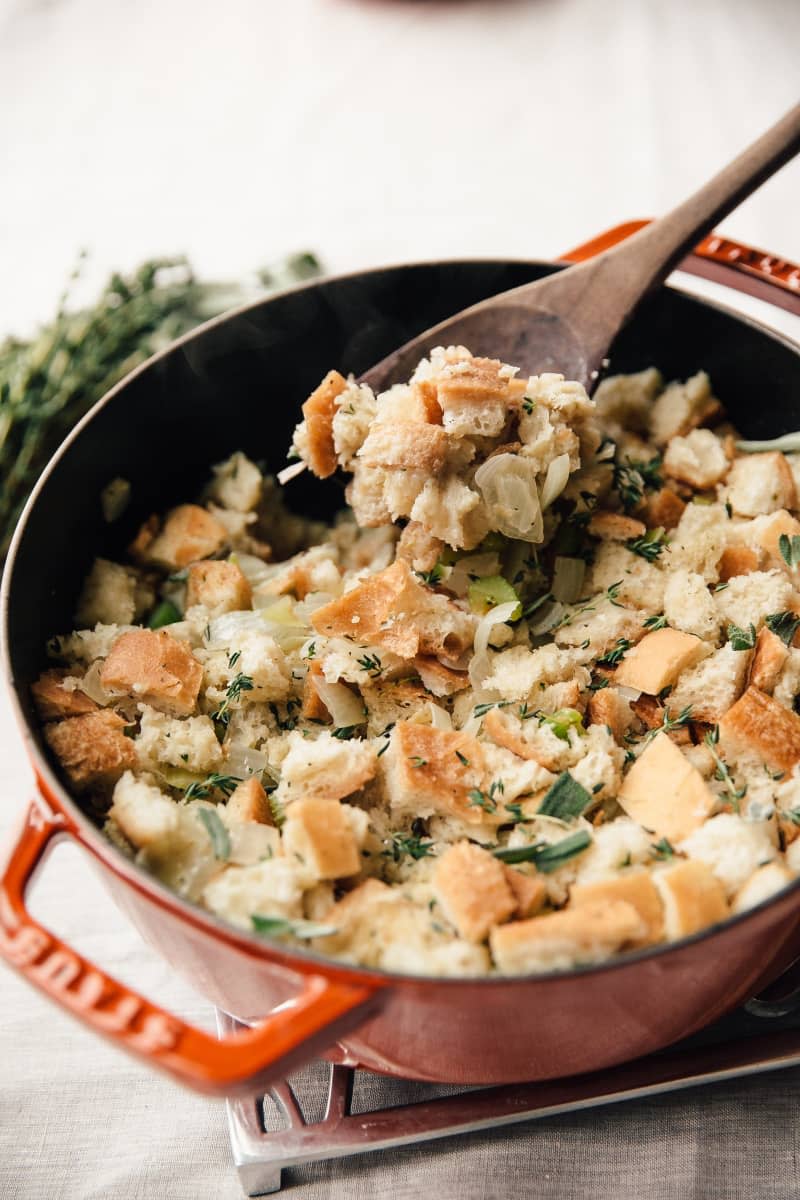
[{"x": 567, "y": 321}]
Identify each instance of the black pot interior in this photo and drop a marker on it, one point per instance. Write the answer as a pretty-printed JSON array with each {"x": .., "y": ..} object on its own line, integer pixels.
[{"x": 239, "y": 384}]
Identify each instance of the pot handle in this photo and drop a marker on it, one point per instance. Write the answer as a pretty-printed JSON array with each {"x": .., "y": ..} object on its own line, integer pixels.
[
  {"x": 242, "y": 1064},
  {"x": 766, "y": 276}
]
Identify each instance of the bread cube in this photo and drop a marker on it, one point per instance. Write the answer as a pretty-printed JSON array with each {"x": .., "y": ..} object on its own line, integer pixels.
[
  {"x": 682, "y": 407},
  {"x": 663, "y": 509},
  {"x": 189, "y": 533},
  {"x": 760, "y": 483},
  {"x": 324, "y": 767},
  {"x": 438, "y": 679},
  {"x": 557, "y": 941},
  {"x": 689, "y": 606},
  {"x": 698, "y": 459},
  {"x": 53, "y": 701},
  {"x": 471, "y": 887},
  {"x": 430, "y": 770},
  {"x": 664, "y": 792},
  {"x": 318, "y": 413},
  {"x": 764, "y": 883},
  {"x": 615, "y": 527},
  {"x": 737, "y": 560},
  {"x": 319, "y": 834},
  {"x": 529, "y": 891},
  {"x": 249, "y": 802},
  {"x": 237, "y": 483},
  {"x": 408, "y": 445},
  {"x": 732, "y": 847},
  {"x": 418, "y": 547},
  {"x": 635, "y": 886},
  {"x": 769, "y": 532},
  {"x": 658, "y": 660},
  {"x": 607, "y": 707},
  {"x": 153, "y": 667},
  {"x": 711, "y": 687},
  {"x": 757, "y": 726},
  {"x": 271, "y": 888},
  {"x": 111, "y": 595},
  {"x": 190, "y": 742},
  {"x": 748, "y": 599},
  {"x": 693, "y": 898},
  {"x": 769, "y": 659},
  {"x": 220, "y": 587},
  {"x": 92, "y": 749}
]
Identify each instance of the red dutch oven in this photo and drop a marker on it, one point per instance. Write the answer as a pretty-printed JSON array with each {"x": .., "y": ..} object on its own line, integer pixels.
[{"x": 238, "y": 382}]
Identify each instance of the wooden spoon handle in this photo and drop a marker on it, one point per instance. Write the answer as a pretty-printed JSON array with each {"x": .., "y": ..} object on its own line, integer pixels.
[{"x": 601, "y": 294}]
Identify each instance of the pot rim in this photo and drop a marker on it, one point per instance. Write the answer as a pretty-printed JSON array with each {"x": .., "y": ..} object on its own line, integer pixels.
[{"x": 300, "y": 959}]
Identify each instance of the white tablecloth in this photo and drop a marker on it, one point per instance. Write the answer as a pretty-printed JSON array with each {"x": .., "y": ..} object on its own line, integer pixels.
[{"x": 371, "y": 132}]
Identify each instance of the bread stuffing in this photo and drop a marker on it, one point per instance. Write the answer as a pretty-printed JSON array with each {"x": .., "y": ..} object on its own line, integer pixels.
[{"x": 528, "y": 703}]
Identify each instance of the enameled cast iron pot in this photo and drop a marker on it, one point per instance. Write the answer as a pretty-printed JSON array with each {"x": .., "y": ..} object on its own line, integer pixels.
[{"x": 238, "y": 382}]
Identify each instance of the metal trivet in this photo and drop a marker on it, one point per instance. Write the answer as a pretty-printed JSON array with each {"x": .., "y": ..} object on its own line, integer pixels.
[{"x": 329, "y": 1111}]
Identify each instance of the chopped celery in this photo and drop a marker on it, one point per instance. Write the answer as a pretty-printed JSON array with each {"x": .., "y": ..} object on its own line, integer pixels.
[
  {"x": 562, "y": 721},
  {"x": 485, "y": 594},
  {"x": 164, "y": 613}
]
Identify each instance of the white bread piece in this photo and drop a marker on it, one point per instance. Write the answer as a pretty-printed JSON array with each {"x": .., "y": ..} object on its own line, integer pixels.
[
  {"x": 237, "y": 483},
  {"x": 757, "y": 726},
  {"x": 190, "y": 742},
  {"x": 407, "y": 445},
  {"x": 603, "y": 624},
  {"x": 693, "y": 898},
  {"x": 324, "y": 767},
  {"x": 664, "y": 792},
  {"x": 764, "y": 883},
  {"x": 530, "y": 740},
  {"x": 759, "y": 483},
  {"x": 614, "y": 844},
  {"x": 599, "y": 769},
  {"x": 698, "y": 541},
  {"x": 627, "y": 400},
  {"x": 313, "y": 570},
  {"x": 658, "y": 659},
  {"x": 732, "y": 847},
  {"x": 378, "y": 926},
  {"x": 711, "y": 687},
  {"x": 565, "y": 399},
  {"x": 635, "y": 886},
  {"x": 249, "y": 802},
  {"x": 151, "y": 666},
  {"x": 518, "y": 776},
  {"x": 365, "y": 493},
  {"x": 516, "y": 673},
  {"x": 769, "y": 659},
  {"x": 220, "y": 587},
  {"x": 475, "y": 396},
  {"x": 149, "y": 819},
  {"x": 748, "y": 599},
  {"x": 430, "y": 771},
  {"x": 354, "y": 411},
  {"x": 587, "y": 934},
  {"x": 470, "y": 885},
  {"x": 261, "y": 660},
  {"x": 641, "y": 582},
  {"x": 689, "y": 606},
  {"x": 394, "y": 610},
  {"x": 682, "y": 407},
  {"x": 451, "y": 511},
  {"x": 272, "y": 888},
  {"x": 764, "y": 533},
  {"x": 189, "y": 533},
  {"x": 112, "y": 595},
  {"x": 325, "y": 837},
  {"x": 698, "y": 459},
  {"x": 92, "y": 749},
  {"x": 419, "y": 547}
]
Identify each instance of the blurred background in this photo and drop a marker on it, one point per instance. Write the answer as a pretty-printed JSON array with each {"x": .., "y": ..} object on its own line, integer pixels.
[{"x": 369, "y": 131}]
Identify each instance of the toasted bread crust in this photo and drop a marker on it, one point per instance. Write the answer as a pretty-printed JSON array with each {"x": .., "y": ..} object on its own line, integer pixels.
[
  {"x": 188, "y": 534},
  {"x": 438, "y": 768},
  {"x": 92, "y": 749},
  {"x": 664, "y": 792},
  {"x": 769, "y": 659},
  {"x": 757, "y": 724},
  {"x": 419, "y": 547},
  {"x": 663, "y": 509},
  {"x": 220, "y": 586},
  {"x": 658, "y": 659},
  {"x": 529, "y": 892},
  {"x": 319, "y": 411},
  {"x": 319, "y": 832},
  {"x": 693, "y": 898},
  {"x": 736, "y": 560},
  {"x": 636, "y": 887},
  {"x": 313, "y": 707},
  {"x": 472, "y": 888},
  {"x": 248, "y": 802},
  {"x": 615, "y": 527},
  {"x": 155, "y": 668},
  {"x": 439, "y": 679},
  {"x": 409, "y": 445},
  {"x": 590, "y": 931},
  {"x": 53, "y": 702},
  {"x": 607, "y": 707}
]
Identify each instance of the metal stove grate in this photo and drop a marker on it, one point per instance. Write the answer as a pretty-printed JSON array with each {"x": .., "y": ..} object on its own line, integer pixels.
[{"x": 327, "y": 1111}]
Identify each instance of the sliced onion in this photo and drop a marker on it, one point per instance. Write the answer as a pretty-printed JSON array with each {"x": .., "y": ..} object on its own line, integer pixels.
[
  {"x": 508, "y": 485},
  {"x": 254, "y": 569},
  {"x": 244, "y": 760},
  {"x": 556, "y": 480},
  {"x": 440, "y": 717},
  {"x": 345, "y": 707},
  {"x": 789, "y": 443},
  {"x": 548, "y": 617},
  {"x": 628, "y": 693},
  {"x": 291, "y": 472},
  {"x": 90, "y": 685},
  {"x": 568, "y": 578},
  {"x": 472, "y": 727},
  {"x": 479, "y": 664}
]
